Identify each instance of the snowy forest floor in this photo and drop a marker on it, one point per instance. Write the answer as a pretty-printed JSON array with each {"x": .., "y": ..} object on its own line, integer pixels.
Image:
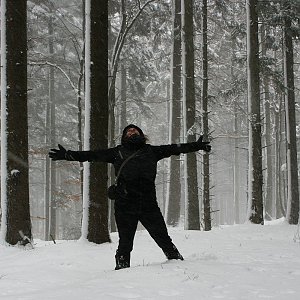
[{"x": 229, "y": 262}]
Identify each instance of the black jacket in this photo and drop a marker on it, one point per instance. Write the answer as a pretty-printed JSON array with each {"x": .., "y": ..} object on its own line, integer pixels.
[{"x": 138, "y": 174}]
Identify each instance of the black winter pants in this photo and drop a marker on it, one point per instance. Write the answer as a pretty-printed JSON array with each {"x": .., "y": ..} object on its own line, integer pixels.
[{"x": 154, "y": 223}]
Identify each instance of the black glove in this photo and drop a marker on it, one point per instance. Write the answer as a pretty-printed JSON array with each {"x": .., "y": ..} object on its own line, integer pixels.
[
  {"x": 58, "y": 154},
  {"x": 203, "y": 145}
]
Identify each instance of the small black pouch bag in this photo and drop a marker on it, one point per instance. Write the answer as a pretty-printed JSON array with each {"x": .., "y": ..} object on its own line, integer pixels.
[{"x": 114, "y": 189}]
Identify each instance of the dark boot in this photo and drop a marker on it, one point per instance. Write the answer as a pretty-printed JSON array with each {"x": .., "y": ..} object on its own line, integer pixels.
[
  {"x": 122, "y": 261},
  {"x": 173, "y": 253}
]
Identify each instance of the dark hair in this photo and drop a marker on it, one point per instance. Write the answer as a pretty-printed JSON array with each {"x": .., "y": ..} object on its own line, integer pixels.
[
  {"x": 124, "y": 138},
  {"x": 132, "y": 126}
]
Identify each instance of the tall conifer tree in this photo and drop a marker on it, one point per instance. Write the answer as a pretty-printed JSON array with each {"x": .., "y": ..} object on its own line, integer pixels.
[
  {"x": 255, "y": 177},
  {"x": 14, "y": 124},
  {"x": 95, "y": 223}
]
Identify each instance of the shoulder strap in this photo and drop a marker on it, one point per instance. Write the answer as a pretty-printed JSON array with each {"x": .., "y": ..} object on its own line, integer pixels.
[{"x": 123, "y": 164}]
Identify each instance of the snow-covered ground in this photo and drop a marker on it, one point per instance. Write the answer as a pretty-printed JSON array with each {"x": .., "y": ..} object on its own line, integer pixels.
[{"x": 229, "y": 262}]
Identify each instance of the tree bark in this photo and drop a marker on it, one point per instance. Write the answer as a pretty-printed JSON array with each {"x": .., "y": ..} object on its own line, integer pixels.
[
  {"x": 192, "y": 209},
  {"x": 292, "y": 214},
  {"x": 47, "y": 174},
  {"x": 98, "y": 206},
  {"x": 236, "y": 154},
  {"x": 255, "y": 177},
  {"x": 206, "y": 174},
  {"x": 236, "y": 171},
  {"x": 174, "y": 186},
  {"x": 279, "y": 208},
  {"x": 52, "y": 226},
  {"x": 267, "y": 137},
  {"x": 14, "y": 124}
]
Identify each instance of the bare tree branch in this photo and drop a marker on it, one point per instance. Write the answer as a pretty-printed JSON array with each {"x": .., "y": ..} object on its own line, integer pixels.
[
  {"x": 119, "y": 45},
  {"x": 47, "y": 63}
]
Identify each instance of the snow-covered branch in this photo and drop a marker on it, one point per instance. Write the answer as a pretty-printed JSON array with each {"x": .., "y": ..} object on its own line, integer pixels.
[
  {"x": 124, "y": 29},
  {"x": 47, "y": 63}
]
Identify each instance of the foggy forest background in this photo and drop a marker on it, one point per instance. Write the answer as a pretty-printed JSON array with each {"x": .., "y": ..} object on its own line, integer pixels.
[{"x": 142, "y": 95}]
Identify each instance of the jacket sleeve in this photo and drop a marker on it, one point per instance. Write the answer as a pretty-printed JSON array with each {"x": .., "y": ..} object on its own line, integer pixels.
[
  {"x": 105, "y": 155},
  {"x": 164, "y": 151}
]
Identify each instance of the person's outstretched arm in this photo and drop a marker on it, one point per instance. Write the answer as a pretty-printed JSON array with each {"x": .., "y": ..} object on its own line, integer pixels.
[
  {"x": 107, "y": 155},
  {"x": 176, "y": 149}
]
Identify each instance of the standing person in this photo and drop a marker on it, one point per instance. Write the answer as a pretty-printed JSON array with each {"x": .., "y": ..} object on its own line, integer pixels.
[{"x": 135, "y": 198}]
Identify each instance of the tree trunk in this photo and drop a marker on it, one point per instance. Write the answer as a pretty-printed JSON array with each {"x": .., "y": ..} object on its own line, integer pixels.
[
  {"x": 206, "y": 175},
  {"x": 279, "y": 209},
  {"x": 123, "y": 120},
  {"x": 236, "y": 155},
  {"x": 192, "y": 201},
  {"x": 14, "y": 123},
  {"x": 267, "y": 137},
  {"x": 47, "y": 174},
  {"x": 255, "y": 177},
  {"x": 174, "y": 186},
  {"x": 292, "y": 214},
  {"x": 52, "y": 229},
  {"x": 236, "y": 171},
  {"x": 79, "y": 117},
  {"x": 96, "y": 132}
]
